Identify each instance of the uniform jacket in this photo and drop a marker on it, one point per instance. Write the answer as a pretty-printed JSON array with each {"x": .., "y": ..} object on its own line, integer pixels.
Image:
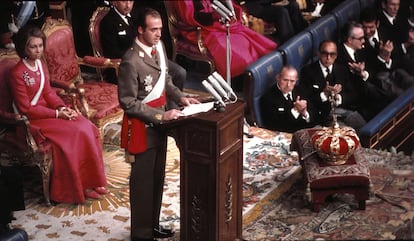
[{"x": 138, "y": 73}]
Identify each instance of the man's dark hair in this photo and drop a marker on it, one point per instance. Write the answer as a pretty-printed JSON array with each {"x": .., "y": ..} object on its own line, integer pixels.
[
  {"x": 348, "y": 28},
  {"x": 142, "y": 15},
  {"x": 369, "y": 15},
  {"x": 325, "y": 42}
]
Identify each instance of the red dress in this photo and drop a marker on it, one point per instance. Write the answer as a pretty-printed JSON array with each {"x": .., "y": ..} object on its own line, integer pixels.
[
  {"x": 246, "y": 45},
  {"x": 77, "y": 152}
]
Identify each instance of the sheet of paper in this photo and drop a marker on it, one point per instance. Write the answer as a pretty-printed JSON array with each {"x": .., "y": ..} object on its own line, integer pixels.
[{"x": 197, "y": 108}]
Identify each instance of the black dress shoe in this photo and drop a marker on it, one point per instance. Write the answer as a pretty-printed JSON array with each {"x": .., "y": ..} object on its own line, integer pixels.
[{"x": 161, "y": 232}]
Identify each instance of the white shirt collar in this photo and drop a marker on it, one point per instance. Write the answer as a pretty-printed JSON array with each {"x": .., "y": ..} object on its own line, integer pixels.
[
  {"x": 284, "y": 94},
  {"x": 147, "y": 49},
  {"x": 371, "y": 40},
  {"x": 323, "y": 68},
  {"x": 390, "y": 19},
  {"x": 124, "y": 17},
  {"x": 289, "y": 93},
  {"x": 350, "y": 51}
]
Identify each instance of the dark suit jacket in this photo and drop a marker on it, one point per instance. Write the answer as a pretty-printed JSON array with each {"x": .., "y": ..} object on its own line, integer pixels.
[
  {"x": 116, "y": 36},
  {"x": 373, "y": 64},
  {"x": 312, "y": 83},
  {"x": 276, "y": 112},
  {"x": 392, "y": 32},
  {"x": 370, "y": 98}
]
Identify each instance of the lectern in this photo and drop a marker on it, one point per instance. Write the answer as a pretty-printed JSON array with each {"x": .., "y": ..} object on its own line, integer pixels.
[{"x": 211, "y": 151}]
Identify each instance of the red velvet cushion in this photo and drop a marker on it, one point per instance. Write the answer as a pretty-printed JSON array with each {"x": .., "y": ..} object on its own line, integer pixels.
[
  {"x": 321, "y": 175},
  {"x": 97, "y": 61},
  {"x": 103, "y": 97}
]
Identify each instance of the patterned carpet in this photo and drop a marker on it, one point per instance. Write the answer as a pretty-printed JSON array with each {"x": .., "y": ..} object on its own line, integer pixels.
[
  {"x": 275, "y": 204},
  {"x": 269, "y": 170},
  {"x": 389, "y": 213}
]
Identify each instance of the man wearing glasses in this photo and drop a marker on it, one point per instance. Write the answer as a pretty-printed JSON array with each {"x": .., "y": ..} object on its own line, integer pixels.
[
  {"x": 371, "y": 98},
  {"x": 325, "y": 82}
]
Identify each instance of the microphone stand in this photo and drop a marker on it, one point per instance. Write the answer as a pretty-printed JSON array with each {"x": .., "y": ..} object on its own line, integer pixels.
[{"x": 228, "y": 52}]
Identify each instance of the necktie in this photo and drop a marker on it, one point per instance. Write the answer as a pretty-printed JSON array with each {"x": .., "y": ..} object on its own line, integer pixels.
[
  {"x": 355, "y": 57},
  {"x": 129, "y": 20},
  {"x": 375, "y": 40},
  {"x": 327, "y": 72},
  {"x": 289, "y": 98},
  {"x": 154, "y": 54},
  {"x": 328, "y": 75}
]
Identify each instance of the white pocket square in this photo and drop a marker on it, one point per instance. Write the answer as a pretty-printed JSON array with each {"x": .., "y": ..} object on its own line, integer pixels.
[
  {"x": 281, "y": 109},
  {"x": 315, "y": 86},
  {"x": 123, "y": 32}
]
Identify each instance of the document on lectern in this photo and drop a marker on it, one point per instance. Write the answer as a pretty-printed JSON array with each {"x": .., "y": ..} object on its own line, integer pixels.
[{"x": 197, "y": 108}]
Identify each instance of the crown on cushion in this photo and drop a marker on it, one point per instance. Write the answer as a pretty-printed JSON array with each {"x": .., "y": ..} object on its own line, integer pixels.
[{"x": 335, "y": 144}]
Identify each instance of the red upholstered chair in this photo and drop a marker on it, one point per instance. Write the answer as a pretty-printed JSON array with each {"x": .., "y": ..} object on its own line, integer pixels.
[
  {"x": 324, "y": 179},
  {"x": 196, "y": 53},
  {"x": 20, "y": 145},
  {"x": 97, "y": 100},
  {"x": 94, "y": 36}
]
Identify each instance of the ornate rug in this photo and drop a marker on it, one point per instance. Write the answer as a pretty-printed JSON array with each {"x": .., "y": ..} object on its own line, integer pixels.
[
  {"x": 269, "y": 170},
  {"x": 389, "y": 213}
]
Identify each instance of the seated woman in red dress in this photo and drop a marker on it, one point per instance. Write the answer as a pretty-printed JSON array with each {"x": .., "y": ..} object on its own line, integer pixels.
[
  {"x": 78, "y": 169},
  {"x": 246, "y": 45}
]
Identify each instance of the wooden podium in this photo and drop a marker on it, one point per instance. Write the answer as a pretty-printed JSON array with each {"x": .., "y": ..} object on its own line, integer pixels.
[{"x": 211, "y": 149}]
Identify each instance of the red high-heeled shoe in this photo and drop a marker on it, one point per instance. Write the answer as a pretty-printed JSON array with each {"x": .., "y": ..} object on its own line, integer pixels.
[
  {"x": 101, "y": 190},
  {"x": 92, "y": 194}
]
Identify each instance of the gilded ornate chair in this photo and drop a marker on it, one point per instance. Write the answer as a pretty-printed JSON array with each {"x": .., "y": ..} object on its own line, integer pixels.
[
  {"x": 198, "y": 54},
  {"x": 94, "y": 36},
  {"x": 97, "y": 100},
  {"x": 20, "y": 145}
]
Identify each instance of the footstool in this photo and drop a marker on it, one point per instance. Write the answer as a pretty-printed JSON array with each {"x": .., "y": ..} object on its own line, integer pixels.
[{"x": 324, "y": 179}]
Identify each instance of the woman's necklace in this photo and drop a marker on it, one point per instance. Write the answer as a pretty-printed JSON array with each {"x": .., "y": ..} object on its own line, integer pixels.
[{"x": 32, "y": 68}]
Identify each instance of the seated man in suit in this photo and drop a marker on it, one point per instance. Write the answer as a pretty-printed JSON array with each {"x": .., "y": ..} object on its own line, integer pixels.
[
  {"x": 327, "y": 82},
  {"x": 118, "y": 32},
  {"x": 282, "y": 106},
  {"x": 371, "y": 99},
  {"x": 383, "y": 57},
  {"x": 391, "y": 22},
  {"x": 376, "y": 47}
]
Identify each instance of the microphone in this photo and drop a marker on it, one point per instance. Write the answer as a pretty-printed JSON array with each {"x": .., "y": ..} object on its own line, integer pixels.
[
  {"x": 218, "y": 87},
  {"x": 214, "y": 93},
  {"x": 229, "y": 4},
  {"x": 223, "y": 8},
  {"x": 223, "y": 83},
  {"x": 220, "y": 12}
]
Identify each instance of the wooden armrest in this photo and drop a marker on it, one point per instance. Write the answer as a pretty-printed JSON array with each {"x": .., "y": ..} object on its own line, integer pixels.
[
  {"x": 200, "y": 43},
  {"x": 62, "y": 85},
  {"x": 77, "y": 97},
  {"x": 100, "y": 62}
]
